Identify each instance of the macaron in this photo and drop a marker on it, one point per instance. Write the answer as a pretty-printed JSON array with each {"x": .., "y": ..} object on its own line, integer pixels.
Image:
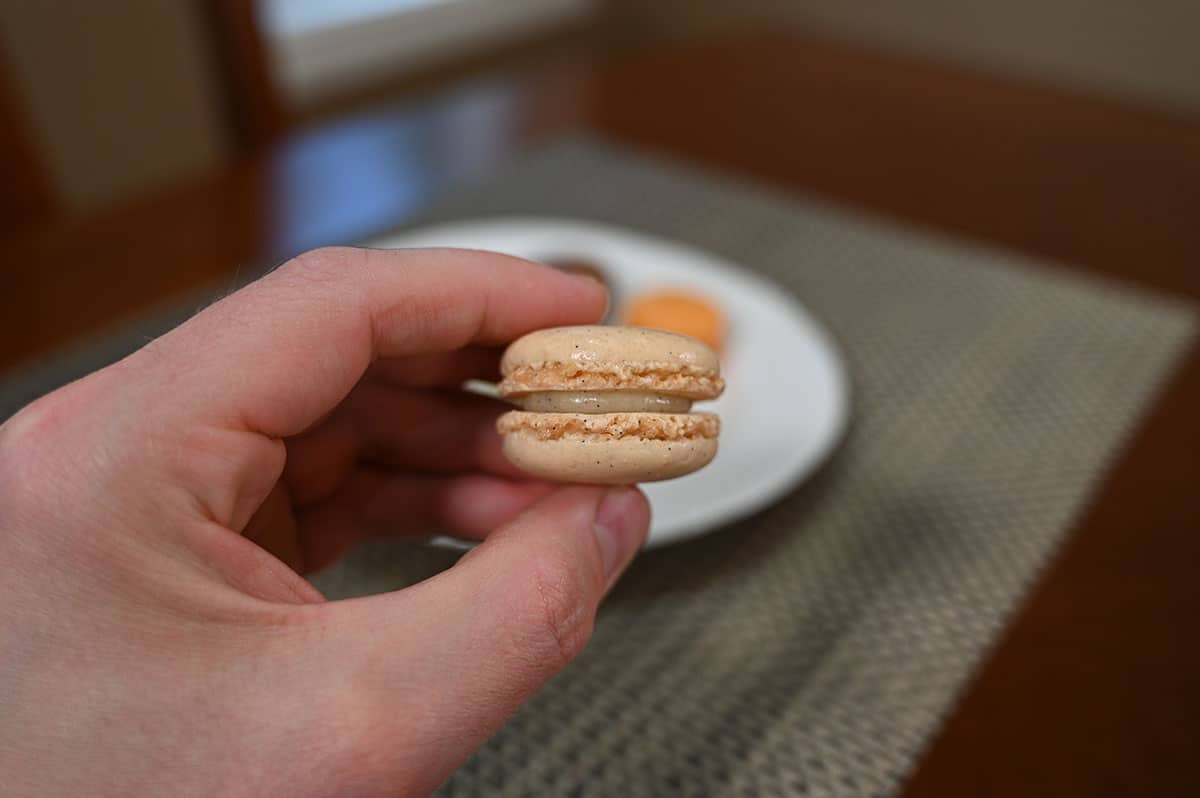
[
  {"x": 678, "y": 311},
  {"x": 609, "y": 405}
]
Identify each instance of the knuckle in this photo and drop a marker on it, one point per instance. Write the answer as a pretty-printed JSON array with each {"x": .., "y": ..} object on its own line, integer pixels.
[
  {"x": 323, "y": 265},
  {"x": 35, "y": 427},
  {"x": 52, "y": 441},
  {"x": 557, "y": 611},
  {"x": 26, "y": 443}
]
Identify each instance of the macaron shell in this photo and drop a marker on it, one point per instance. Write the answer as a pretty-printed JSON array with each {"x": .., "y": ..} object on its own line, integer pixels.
[
  {"x": 647, "y": 426},
  {"x": 610, "y": 358},
  {"x": 589, "y": 343},
  {"x": 609, "y": 377},
  {"x": 607, "y": 461}
]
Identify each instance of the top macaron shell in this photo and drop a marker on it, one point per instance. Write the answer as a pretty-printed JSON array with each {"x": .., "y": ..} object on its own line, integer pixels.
[{"x": 610, "y": 358}]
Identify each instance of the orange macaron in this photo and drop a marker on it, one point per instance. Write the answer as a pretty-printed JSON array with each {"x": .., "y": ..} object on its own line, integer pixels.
[{"x": 680, "y": 312}]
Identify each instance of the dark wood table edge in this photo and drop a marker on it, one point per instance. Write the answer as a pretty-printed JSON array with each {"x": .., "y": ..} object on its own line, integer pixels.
[{"x": 1131, "y": 558}]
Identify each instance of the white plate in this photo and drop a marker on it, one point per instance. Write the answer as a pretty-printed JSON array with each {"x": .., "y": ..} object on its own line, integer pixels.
[{"x": 786, "y": 399}]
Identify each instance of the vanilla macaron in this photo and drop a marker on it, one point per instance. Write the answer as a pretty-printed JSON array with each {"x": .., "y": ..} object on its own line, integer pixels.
[{"x": 609, "y": 405}]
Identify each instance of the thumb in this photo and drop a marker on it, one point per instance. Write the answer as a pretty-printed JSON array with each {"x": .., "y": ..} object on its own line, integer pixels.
[{"x": 440, "y": 666}]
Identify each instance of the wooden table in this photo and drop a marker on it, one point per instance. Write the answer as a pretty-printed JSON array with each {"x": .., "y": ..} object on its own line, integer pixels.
[{"x": 1095, "y": 687}]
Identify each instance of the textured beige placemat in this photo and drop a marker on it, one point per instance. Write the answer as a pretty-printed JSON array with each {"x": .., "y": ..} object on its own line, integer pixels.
[{"x": 813, "y": 649}]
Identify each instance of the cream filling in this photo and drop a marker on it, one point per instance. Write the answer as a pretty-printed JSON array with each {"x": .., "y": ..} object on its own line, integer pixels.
[{"x": 602, "y": 402}]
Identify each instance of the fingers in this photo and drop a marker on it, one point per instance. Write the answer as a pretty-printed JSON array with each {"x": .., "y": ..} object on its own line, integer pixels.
[
  {"x": 275, "y": 356},
  {"x": 471, "y": 644},
  {"x": 424, "y": 431},
  {"x": 217, "y": 394},
  {"x": 375, "y": 503},
  {"x": 444, "y": 431},
  {"x": 440, "y": 369}
]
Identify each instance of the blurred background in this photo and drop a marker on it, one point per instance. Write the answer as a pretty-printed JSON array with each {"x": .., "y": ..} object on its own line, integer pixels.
[
  {"x": 102, "y": 101},
  {"x": 233, "y": 132}
]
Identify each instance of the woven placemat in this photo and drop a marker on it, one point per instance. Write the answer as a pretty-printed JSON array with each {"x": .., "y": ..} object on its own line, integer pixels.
[{"x": 814, "y": 648}]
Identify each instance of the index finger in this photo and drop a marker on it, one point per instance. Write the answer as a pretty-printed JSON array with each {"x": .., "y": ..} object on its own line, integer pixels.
[{"x": 275, "y": 356}]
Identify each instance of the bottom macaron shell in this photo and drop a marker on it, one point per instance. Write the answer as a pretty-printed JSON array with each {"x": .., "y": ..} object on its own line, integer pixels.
[{"x": 607, "y": 461}]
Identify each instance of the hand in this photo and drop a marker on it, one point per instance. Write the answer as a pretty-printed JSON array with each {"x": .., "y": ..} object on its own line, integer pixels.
[{"x": 155, "y": 635}]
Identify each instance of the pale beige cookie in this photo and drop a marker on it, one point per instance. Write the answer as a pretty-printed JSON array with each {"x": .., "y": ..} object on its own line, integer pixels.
[{"x": 609, "y": 405}]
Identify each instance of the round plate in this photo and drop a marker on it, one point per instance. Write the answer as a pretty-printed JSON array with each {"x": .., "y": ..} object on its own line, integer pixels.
[{"x": 786, "y": 399}]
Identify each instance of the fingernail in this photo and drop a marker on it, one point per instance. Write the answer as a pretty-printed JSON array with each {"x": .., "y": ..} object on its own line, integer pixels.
[
  {"x": 597, "y": 281},
  {"x": 619, "y": 526}
]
